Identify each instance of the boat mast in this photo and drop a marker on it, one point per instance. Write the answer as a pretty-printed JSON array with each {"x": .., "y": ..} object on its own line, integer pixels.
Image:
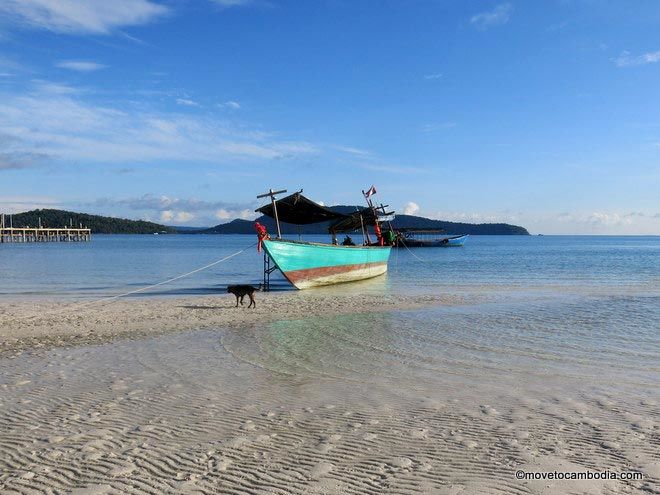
[
  {"x": 370, "y": 204},
  {"x": 272, "y": 194}
]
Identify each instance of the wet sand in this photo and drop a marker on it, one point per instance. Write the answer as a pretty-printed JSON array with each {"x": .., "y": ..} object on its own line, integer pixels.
[
  {"x": 35, "y": 324},
  {"x": 351, "y": 400}
]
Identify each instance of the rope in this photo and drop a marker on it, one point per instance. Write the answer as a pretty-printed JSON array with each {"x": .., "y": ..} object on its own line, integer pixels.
[
  {"x": 141, "y": 289},
  {"x": 406, "y": 246},
  {"x": 396, "y": 261}
]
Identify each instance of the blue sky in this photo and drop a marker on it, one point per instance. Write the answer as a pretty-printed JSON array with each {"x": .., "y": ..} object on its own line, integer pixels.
[{"x": 544, "y": 114}]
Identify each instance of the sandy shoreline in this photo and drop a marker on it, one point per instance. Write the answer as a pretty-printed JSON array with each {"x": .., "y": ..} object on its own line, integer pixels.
[
  {"x": 320, "y": 392},
  {"x": 206, "y": 412},
  {"x": 36, "y": 324}
]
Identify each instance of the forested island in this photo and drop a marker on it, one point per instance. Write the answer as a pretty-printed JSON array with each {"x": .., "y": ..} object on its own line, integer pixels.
[
  {"x": 110, "y": 225},
  {"x": 97, "y": 223},
  {"x": 401, "y": 221}
]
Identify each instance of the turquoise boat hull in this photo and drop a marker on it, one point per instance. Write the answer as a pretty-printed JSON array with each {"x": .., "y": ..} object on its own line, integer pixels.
[{"x": 311, "y": 264}]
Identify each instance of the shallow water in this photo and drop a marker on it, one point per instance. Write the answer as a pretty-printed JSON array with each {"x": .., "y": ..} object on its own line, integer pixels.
[
  {"x": 441, "y": 400},
  {"x": 113, "y": 264},
  {"x": 531, "y": 308}
]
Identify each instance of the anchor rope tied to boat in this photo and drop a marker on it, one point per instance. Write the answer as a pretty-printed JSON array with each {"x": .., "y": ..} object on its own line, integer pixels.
[
  {"x": 141, "y": 289},
  {"x": 410, "y": 251}
]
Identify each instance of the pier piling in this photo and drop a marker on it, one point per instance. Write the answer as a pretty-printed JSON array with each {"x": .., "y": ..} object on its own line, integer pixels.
[{"x": 42, "y": 234}]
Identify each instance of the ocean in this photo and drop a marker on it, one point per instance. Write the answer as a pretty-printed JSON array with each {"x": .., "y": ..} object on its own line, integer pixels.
[
  {"x": 569, "y": 305},
  {"x": 515, "y": 265}
]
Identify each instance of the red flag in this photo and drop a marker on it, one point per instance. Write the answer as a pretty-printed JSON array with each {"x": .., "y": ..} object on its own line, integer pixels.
[{"x": 371, "y": 191}]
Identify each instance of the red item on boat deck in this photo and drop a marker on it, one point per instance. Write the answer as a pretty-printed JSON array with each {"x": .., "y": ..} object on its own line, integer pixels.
[
  {"x": 379, "y": 234},
  {"x": 262, "y": 234}
]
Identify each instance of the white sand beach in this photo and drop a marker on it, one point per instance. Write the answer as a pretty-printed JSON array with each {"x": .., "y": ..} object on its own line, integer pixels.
[
  {"x": 192, "y": 395},
  {"x": 33, "y": 324}
]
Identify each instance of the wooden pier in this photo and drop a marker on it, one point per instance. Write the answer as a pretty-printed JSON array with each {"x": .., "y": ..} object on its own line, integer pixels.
[
  {"x": 42, "y": 234},
  {"x": 30, "y": 234}
]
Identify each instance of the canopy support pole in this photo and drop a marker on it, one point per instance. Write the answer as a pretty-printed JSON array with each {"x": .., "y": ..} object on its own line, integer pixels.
[{"x": 272, "y": 194}]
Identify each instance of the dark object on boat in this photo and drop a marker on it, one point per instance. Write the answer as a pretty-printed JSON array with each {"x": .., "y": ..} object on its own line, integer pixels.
[
  {"x": 298, "y": 210},
  {"x": 348, "y": 241},
  {"x": 416, "y": 238},
  {"x": 357, "y": 220}
]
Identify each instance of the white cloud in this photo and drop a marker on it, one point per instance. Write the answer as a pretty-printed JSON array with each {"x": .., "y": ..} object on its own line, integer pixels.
[
  {"x": 80, "y": 65},
  {"x": 230, "y": 214},
  {"x": 600, "y": 218},
  {"x": 609, "y": 218},
  {"x": 186, "y": 102},
  {"x": 178, "y": 217},
  {"x": 58, "y": 122},
  {"x": 232, "y": 3},
  {"x": 354, "y": 151},
  {"x": 81, "y": 16},
  {"x": 164, "y": 202},
  {"x": 223, "y": 214},
  {"x": 626, "y": 59},
  {"x": 234, "y": 105},
  {"x": 471, "y": 217},
  {"x": 18, "y": 204},
  {"x": 410, "y": 208},
  {"x": 184, "y": 216},
  {"x": 171, "y": 210},
  {"x": 605, "y": 222},
  {"x": 45, "y": 87},
  {"x": 498, "y": 16},
  {"x": 431, "y": 77}
]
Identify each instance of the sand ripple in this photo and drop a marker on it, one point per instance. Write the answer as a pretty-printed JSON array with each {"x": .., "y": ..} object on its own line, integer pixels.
[{"x": 183, "y": 414}]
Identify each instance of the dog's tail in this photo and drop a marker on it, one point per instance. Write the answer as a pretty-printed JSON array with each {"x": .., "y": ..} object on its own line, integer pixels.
[{"x": 261, "y": 287}]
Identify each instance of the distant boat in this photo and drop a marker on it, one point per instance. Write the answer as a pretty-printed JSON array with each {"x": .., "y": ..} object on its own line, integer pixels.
[
  {"x": 314, "y": 264},
  {"x": 421, "y": 238}
]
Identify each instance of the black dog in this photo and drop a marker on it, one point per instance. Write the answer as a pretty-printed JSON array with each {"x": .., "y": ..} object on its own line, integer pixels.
[{"x": 240, "y": 291}]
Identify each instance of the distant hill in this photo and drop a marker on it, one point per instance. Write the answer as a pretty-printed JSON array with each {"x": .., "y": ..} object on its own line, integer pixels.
[
  {"x": 401, "y": 221},
  {"x": 99, "y": 224}
]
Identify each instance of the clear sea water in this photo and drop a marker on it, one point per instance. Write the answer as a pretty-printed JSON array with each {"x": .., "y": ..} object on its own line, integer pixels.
[
  {"x": 567, "y": 307},
  {"x": 109, "y": 264}
]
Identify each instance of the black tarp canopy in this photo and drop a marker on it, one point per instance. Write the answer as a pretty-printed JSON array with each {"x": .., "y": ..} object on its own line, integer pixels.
[
  {"x": 299, "y": 210},
  {"x": 355, "y": 221}
]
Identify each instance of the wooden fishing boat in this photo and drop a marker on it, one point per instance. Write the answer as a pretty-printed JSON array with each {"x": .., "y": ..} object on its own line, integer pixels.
[
  {"x": 313, "y": 264},
  {"x": 428, "y": 238}
]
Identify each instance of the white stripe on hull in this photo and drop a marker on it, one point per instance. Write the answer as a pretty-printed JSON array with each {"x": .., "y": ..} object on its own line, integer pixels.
[{"x": 339, "y": 278}]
